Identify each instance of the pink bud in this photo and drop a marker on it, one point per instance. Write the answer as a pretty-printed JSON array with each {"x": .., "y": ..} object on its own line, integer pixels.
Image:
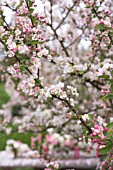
[
  {"x": 18, "y": 70},
  {"x": 27, "y": 63},
  {"x": 104, "y": 163},
  {"x": 92, "y": 135},
  {"x": 39, "y": 138},
  {"x": 42, "y": 17},
  {"x": 88, "y": 149},
  {"x": 16, "y": 66},
  {"x": 68, "y": 142},
  {"x": 45, "y": 149},
  {"x": 103, "y": 137},
  {"x": 95, "y": 116},
  {"x": 37, "y": 49},
  {"x": 95, "y": 140},
  {"x": 101, "y": 22},
  {"x": 97, "y": 149},
  {"x": 107, "y": 91},
  {"x": 105, "y": 129},
  {"x": 67, "y": 116},
  {"x": 97, "y": 154},
  {"x": 15, "y": 50},
  {"x": 23, "y": 35},
  {"x": 96, "y": 126},
  {"x": 92, "y": 4},
  {"x": 102, "y": 91},
  {"x": 40, "y": 31},
  {"x": 33, "y": 142},
  {"x": 32, "y": 58},
  {"x": 6, "y": 60},
  {"x": 76, "y": 153},
  {"x": 37, "y": 88},
  {"x": 101, "y": 143},
  {"x": 26, "y": 12}
]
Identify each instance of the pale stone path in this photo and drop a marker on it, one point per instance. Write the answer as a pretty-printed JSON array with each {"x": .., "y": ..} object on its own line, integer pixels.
[{"x": 81, "y": 163}]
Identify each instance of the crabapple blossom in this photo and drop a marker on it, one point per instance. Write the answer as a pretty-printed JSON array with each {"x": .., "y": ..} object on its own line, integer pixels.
[{"x": 58, "y": 70}]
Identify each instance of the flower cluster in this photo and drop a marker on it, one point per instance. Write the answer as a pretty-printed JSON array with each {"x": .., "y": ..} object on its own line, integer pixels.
[
  {"x": 49, "y": 63},
  {"x": 16, "y": 147},
  {"x": 52, "y": 166},
  {"x": 98, "y": 132},
  {"x": 105, "y": 69}
]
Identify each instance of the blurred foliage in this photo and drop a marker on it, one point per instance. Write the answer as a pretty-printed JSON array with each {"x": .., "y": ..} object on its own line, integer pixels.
[
  {"x": 15, "y": 110},
  {"x": 4, "y": 98},
  {"x": 18, "y": 169},
  {"x": 23, "y": 137}
]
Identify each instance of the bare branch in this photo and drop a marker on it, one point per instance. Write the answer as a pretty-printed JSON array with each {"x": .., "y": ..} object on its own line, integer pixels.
[{"x": 69, "y": 10}]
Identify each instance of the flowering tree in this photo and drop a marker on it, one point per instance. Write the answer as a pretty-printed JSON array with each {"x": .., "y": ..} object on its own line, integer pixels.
[{"x": 58, "y": 69}]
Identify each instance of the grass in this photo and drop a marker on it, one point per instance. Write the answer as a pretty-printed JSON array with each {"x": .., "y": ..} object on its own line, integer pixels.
[{"x": 4, "y": 98}]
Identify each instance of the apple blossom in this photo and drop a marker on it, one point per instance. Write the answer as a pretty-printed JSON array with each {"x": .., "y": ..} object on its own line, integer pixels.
[{"x": 73, "y": 54}]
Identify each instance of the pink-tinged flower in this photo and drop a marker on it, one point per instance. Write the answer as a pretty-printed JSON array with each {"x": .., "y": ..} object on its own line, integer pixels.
[
  {"x": 96, "y": 127},
  {"x": 102, "y": 91},
  {"x": 68, "y": 142},
  {"x": 103, "y": 105},
  {"x": 93, "y": 134},
  {"x": 95, "y": 140},
  {"x": 97, "y": 154},
  {"x": 110, "y": 168},
  {"x": 17, "y": 32},
  {"x": 19, "y": 142},
  {"x": 105, "y": 129},
  {"x": 104, "y": 163},
  {"x": 88, "y": 149},
  {"x": 16, "y": 66},
  {"x": 51, "y": 139},
  {"x": 11, "y": 70},
  {"x": 76, "y": 152},
  {"x": 45, "y": 148},
  {"x": 103, "y": 137},
  {"x": 32, "y": 142},
  {"x": 39, "y": 138},
  {"x": 68, "y": 115},
  {"x": 2, "y": 30},
  {"x": 37, "y": 88},
  {"x": 107, "y": 91}
]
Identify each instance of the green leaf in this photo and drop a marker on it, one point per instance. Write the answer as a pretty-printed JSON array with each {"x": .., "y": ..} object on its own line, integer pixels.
[
  {"x": 31, "y": 10},
  {"x": 87, "y": 6},
  {"x": 34, "y": 42},
  {"x": 30, "y": 3},
  {"x": 81, "y": 72},
  {"x": 19, "y": 5},
  {"x": 112, "y": 72},
  {"x": 105, "y": 150},
  {"x": 110, "y": 125},
  {"x": 107, "y": 97},
  {"x": 104, "y": 76},
  {"x": 4, "y": 97},
  {"x": 24, "y": 137},
  {"x": 111, "y": 88},
  {"x": 101, "y": 27},
  {"x": 110, "y": 133},
  {"x": 33, "y": 18},
  {"x": 22, "y": 68},
  {"x": 91, "y": 116},
  {"x": 109, "y": 46},
  {"x": 86, "y": 139}
]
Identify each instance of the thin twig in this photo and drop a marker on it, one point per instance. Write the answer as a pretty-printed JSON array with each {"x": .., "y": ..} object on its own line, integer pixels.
[{"x": 69, "y": 10}]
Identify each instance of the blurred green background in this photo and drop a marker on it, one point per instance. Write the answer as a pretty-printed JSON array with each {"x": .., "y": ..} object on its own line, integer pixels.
[{"x": 4, "y": 98}]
